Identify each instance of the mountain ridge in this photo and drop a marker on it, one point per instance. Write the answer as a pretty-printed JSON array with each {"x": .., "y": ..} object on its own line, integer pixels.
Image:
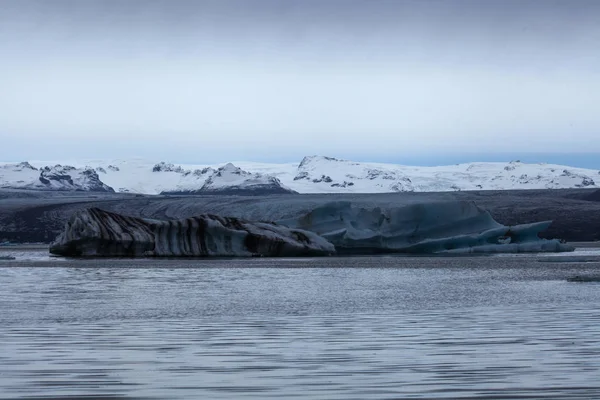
[{"x": 313, "y": 174}]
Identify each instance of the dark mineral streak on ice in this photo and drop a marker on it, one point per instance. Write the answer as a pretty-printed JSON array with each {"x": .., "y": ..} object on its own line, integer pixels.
[
  {"x": 95, "y": 232},
  {"x": 437, "y": 227}
]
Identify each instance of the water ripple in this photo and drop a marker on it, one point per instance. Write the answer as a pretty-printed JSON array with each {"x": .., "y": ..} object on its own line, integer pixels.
[{"x": 378, "y": 328}]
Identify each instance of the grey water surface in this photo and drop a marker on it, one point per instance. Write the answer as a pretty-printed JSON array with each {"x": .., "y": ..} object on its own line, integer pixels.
[{"x": 328, "y": 328}]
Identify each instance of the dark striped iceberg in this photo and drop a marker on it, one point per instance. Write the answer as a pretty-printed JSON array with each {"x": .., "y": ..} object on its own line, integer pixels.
[{"x": 98, "y": 233}]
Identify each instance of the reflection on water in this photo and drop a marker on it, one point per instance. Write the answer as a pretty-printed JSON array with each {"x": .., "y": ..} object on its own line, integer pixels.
[{"x": 360, "y": 328}]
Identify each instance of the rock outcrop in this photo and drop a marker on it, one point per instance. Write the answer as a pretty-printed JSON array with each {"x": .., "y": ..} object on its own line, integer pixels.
[
  {"x": 440, "y": 227},
  {"x": 96, "y": 233}
]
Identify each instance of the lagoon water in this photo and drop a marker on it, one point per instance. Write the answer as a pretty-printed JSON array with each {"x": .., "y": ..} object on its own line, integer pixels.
[{"x": 330, "y": 328}]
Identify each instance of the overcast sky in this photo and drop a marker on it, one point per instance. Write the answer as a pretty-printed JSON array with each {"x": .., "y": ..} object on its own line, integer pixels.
[{"x": 274, "y": 80}]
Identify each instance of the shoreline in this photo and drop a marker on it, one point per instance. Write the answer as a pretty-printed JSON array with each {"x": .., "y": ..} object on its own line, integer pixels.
[{"x": 34, "y": 247}]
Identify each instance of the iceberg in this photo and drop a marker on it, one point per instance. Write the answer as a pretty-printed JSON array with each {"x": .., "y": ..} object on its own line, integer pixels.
[
  {"x": 437, "y": 227},
  {"x": 96, "y": 233},
  {"x": 450, "y": 227}
]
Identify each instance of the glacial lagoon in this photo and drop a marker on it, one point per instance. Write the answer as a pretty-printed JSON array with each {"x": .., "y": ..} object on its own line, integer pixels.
[{"x": 389, "y": 327}]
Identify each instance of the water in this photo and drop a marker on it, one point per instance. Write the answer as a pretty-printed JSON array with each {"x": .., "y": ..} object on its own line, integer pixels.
[{"x": 335, "y": 328}]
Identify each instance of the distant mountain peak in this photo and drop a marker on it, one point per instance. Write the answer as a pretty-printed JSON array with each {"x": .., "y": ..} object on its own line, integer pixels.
[
  {"x": 229, "y": 168},
  {"x": 57, "y": 178},
  {"x": 311, "y": 159},
  {"x": 26, "y": 165},
  {"x": 230, "y": 179}
]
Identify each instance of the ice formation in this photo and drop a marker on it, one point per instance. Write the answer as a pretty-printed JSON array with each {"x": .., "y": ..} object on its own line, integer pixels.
[
  {"x": 94, "y": 232},
  {"x": 442, "y": 227}
]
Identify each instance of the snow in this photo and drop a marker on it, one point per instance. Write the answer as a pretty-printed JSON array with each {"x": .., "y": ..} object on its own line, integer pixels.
[
  {"x": 231, "y": 177},
  {"x": 21, "y": 175},
  {"x": 314, "y": 174},
  {"x": 375, "y": 177},
  {"x": 58, "y": 177}
]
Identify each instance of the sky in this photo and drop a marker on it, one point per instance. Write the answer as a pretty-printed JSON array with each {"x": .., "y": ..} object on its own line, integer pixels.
[{"x": 408, "y": 81}]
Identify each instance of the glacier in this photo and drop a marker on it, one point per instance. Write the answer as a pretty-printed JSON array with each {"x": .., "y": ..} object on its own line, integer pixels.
[
  {"x": 436, "y": 227},
  {"x": 94, "y": 232}
]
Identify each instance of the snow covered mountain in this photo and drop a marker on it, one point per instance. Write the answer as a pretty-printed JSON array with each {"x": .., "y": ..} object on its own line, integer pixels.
[
  {"x": 314, "y": 174},
  {"x": 230, "y": 179},
  {"x": 57, "y": 177},
  {"x": 326, "y": 174}
]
